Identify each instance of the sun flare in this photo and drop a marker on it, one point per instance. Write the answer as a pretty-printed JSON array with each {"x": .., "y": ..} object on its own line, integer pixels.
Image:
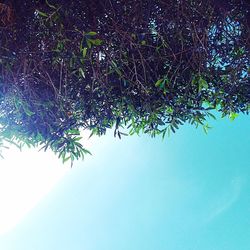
[{"x": 25, "y": 178}]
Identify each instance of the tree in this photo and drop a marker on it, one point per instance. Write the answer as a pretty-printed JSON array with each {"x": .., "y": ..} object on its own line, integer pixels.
[{"x": 149, "y": 66}]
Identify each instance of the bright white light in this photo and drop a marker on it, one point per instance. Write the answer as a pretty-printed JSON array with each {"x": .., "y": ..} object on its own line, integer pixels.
[{"x": 25, "y": 178}]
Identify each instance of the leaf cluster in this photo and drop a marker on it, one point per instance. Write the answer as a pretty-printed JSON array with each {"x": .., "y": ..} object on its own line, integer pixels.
[{"x": 149, "y": 66}]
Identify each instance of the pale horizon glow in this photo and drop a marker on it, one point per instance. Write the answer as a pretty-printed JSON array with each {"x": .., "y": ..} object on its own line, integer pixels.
[{"x": 25, "y": 179}]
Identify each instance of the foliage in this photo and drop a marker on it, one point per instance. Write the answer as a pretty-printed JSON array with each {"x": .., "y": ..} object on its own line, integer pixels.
[{"x": 149, "y": 66}]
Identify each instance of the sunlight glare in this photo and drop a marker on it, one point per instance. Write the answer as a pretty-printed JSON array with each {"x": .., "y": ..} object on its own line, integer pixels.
[{"x": 25, "y": 179}]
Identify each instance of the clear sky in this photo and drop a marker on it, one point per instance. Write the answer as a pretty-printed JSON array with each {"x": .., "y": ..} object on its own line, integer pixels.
[{"x": 188, "y": 192}]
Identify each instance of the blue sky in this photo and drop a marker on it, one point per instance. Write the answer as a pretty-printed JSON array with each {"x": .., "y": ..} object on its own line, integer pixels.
[{"x": 188, "y": 192}]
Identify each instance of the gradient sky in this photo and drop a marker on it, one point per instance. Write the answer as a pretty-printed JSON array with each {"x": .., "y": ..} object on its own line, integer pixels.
[{"x": 188, "y": 192}]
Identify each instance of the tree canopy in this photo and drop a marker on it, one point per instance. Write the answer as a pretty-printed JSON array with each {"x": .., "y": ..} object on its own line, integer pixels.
[{"x": 149, "y": 66}]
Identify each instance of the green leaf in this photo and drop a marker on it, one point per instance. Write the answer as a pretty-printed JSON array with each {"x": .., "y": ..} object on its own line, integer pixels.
[
  {"x": 29, "y": 113},
  {"x": 211, "y": 115},
  {"x": 89, "y": 43},
  {"x": 233, "y": 115},
  {"x": 117, "y": 70},
  {"x": 91, "y": 33},
  {"x": 172, "y": 128},
  {"x": 73, "y": 131},
  {"x": 164, "y": 133},
  {"x": 43, "y": 14},
  {"x": 175, "y": 125},
  {"x": 96, "y": 42},
  {"x": 162, "y": 83},
  {"x": 81, "y": 72},
  {"x": 77, "y": 139},
  {"x": 86, "y": 151},
  {"x": 84, "y": 52},
  {"x": 206, "y": 127},
  {"x": 158, "y": 83},
  {"x": 202, "y": 84},
  {"x": 66, "y": 159}
]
